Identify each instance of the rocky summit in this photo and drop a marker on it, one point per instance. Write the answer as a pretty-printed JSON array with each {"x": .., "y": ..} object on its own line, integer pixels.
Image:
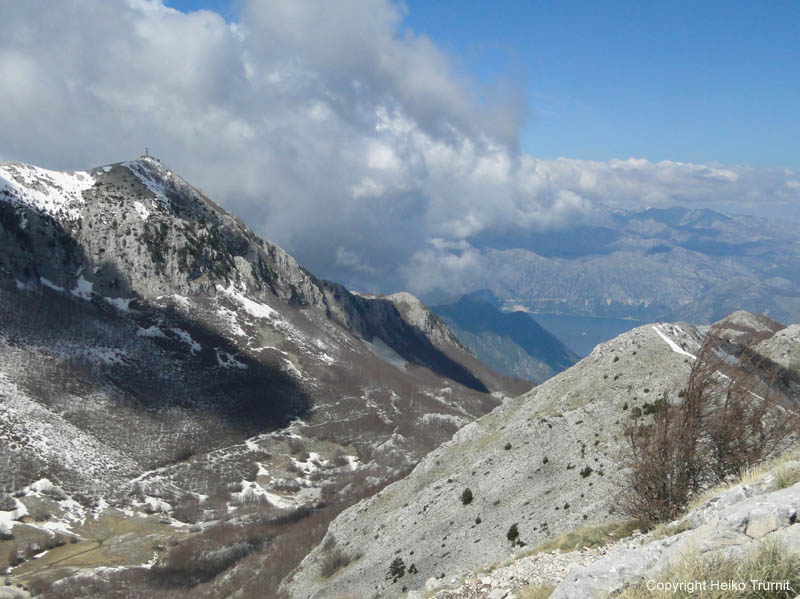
[{"x": 154, "y": 351}]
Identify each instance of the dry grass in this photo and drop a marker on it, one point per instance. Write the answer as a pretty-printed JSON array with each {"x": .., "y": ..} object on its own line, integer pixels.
[
  {"x": 786, "y": 477},
  {"x": 535, "y": 592},
  {"x": 589, "y": 536},
  {"x": 754, "y": 474},
  {"x": 769, "y": 562},
  {"x": 668, "y": 529}
]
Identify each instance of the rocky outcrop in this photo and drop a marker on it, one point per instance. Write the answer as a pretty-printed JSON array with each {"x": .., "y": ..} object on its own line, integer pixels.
[{"x": 731, "y": 524}]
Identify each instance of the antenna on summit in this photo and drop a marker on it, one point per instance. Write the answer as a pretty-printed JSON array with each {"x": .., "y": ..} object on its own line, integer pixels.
[{"x": 147, "y": 152}]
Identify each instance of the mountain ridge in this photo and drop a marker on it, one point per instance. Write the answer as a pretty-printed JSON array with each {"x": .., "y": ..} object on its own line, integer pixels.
[{"x": 194, "y": 361}]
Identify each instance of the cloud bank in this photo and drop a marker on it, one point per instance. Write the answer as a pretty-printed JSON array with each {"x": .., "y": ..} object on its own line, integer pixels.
[{"x": 356, "y": 144}]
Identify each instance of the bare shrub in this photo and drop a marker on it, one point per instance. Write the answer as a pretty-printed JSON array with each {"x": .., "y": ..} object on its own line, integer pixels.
[
  {"x": 329, "y": 543},
  {"x": 333, "y": 561},
  {"x": 751, "y": 421},
  {"x": 664, "y": 464},
  {"x": 187, "y": 509},
  {"x": 728, "y": 418},
  {"x": 15, "y": 557},
  {"x": 40, "y": 514},
  {"x": 296, "y": 446},
  {"x": 7, "y": 503}
]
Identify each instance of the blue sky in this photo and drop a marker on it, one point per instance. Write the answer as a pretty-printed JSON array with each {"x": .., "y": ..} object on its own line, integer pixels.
[{"x": 688, "y": 81}]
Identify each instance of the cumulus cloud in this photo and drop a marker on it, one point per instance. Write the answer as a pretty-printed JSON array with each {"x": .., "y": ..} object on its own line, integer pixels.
[{"x": 328, "y": 127}]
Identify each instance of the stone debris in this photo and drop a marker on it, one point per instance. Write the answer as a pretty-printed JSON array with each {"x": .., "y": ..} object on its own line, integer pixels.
[{"x": 542, "y": 569}]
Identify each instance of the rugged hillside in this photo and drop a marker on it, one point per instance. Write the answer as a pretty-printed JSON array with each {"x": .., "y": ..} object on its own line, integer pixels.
[
  {"x": 510, "y": 342},
  {"x": 656, "y": 264},
  {"x": 153, "y": 351},
  {"x": 544, "y": 463}
]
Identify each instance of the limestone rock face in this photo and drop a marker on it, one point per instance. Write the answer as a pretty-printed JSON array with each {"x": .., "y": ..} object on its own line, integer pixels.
[
  {"x": 732, "y": 524},
  {"x": 545, "y": 461}
]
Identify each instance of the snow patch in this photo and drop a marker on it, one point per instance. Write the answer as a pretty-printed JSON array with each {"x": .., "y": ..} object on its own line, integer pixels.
[
  {"x": 253, "y": 308},
  {"x": 229, "y": 316},
  {"x": 110, "y": 356},
  {"x": 194, "y": 346},
  {"x": 226, "y": 360},
  {"x": 141, "y": 210},
  {"x": 386, "y": 353},
  {"x": 83, "y": 288},
  {"x": 25, "y": 286},
  {"x": 7, "y": 517},
  {"x": 674, "y": 346},
  {"x": 58, "y": 194},
  {"x": 254, "y": 492},
  {"x": 121, "y": 304},
  {"x": 157, "y": 505},
  {"x": 292, "y": 369},
  {"x": 152, "y": 331},
  {"x": 152, "y": 175},
  {"x": 51, "y": 285}
]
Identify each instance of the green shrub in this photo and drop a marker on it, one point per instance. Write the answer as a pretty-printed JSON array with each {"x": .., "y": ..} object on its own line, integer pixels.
[
  {"x": 466, "y": 496},
  {"x": 397, "y": 569},
  {"x": 513, "y": 534}
]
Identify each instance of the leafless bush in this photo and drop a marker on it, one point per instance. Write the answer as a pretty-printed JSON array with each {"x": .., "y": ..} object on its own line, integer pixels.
[
  {"x": 15, "y": 557},
  {"x": 6, "y": 531},
  {"x": 187, "y": 509},
  {"x": 334, "y": 560},
  {"x": 7, "y": 503},
  {"x": 40, "y": 514},
  {"x": 664, "y": 464},
  {"x": 296, "y": 445},
  {"x": 287, "y": 485},
  {"x": 329, "y": 543},
  {"x": 752, "y": 420},
  {"x": 729, "y": 417}
]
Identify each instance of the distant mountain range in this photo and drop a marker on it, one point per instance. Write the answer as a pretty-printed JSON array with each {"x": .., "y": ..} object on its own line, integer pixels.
[
  {"x": 656, "y": 264},
  {"x": 511, "y": 343}
]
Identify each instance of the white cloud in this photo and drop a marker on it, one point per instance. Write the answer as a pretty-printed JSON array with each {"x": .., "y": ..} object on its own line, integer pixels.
[{"x": 324, "y": 125}]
